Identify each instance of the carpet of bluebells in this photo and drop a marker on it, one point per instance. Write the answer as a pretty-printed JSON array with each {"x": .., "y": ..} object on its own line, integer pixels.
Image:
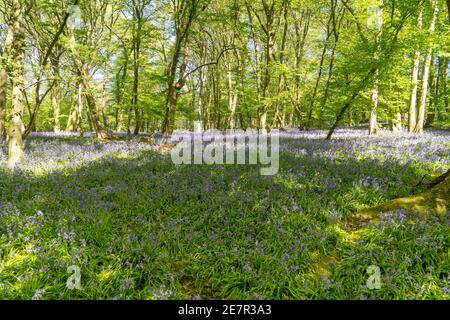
[{"x": 139, "y": 227}]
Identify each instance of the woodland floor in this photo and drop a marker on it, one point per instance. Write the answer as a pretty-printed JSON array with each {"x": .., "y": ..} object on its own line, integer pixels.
[{"x": 139, "y": 227}]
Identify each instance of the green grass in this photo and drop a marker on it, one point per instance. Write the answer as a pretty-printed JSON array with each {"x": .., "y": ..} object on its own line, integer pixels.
[{"x": 139, "y": 227}]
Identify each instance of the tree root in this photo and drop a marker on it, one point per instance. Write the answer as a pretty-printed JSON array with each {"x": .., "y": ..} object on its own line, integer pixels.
[{"x": 435, "y": 200}]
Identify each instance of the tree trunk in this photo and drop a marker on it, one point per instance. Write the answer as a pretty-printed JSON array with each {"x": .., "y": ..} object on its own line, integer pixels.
[
  {"x": 87, "y": 86},
  {"x": 336, "y": 31},
  {"x": 257, "y": 64},
  {"x": 3, "y": 87},
  {"x": 280, "y": 115},
  {"x": 301, "y": 34},
  {"x": 397, "y": 122},
  {"x": 373, "y": 122},
  {"x": 322, "y": 59},
  {"x": 270, "y": 47},
  {"x": 185, "y": 13},
  {"x": 426, "y": 70},
  {"x": 56, "y": 96},
  {"x": 444, "y": 88},
  {"x": 174, "y": 88},
  {"x": 120, "y": 88},
  {"x": 412, "y": 115},
  {"x": 16, "y": 127},
  {"x": 232, "y": 97},
  {"x": 199, "y": 105},
  {"x": 434, "y": 89},
  {"x": 73, "y": 118},
  {"x": 79, "y": 106},
  {"x": 171, "y": 99},
  {"x": 75, "y": 121},
  {"x": 4, "y": 78},
  {"x": 438, "y": 92},
  {"x": 56, "y": 104},
  {"x": 104, "y": 105},
  {"x": 136, "y": 55},
  {"x": 435, "y": 200}
]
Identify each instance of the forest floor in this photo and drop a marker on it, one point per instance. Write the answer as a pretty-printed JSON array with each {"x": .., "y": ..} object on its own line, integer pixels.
[{"x": 139, "y": 227}]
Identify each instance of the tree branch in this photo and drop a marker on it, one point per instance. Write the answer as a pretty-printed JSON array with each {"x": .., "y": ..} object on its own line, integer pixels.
[{"x": 210, "y": 63}]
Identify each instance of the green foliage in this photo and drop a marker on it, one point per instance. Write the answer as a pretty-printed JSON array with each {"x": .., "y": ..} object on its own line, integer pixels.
[{"x": 139, "y": 227}]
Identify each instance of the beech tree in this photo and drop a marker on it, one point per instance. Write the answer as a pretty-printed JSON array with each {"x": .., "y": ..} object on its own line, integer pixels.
[{"x": 158, "y": 65}]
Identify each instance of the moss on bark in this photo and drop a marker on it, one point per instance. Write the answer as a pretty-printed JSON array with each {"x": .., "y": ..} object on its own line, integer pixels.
[{"x": 435, "y": 200}]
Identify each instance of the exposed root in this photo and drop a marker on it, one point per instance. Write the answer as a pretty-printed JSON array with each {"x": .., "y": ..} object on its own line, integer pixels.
[{"x": 436, "y": 200}]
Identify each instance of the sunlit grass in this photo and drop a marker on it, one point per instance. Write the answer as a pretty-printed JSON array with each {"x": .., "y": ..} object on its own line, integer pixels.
[{"x": 139, "y": 227}]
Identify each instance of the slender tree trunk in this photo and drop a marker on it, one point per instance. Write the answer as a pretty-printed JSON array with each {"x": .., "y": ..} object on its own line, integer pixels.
[
  {"x": 171, "y": 99},
  {"x": 257, "y": 64},
  {"x": 434, "y": 90},
  {"x": 426, "y": 70},
  {"x": 3, "y": 87},
  {"x": 104, "y": 104},
  {"x": 319, "y": 76},
  {"x": 322, "y": 59},
  {"x": 120, "y": 88},
  {"x": 232, "y": 95},
  {"x": 56, "y": 104},
  {"x": 174, "y": 88},
  {"x": 373, "y": 122},
  {"x": 199, "y": 105},
  {"x": 336, "y": 31},
  {"x": 75, "y": 121},
  {"x": 79, "y": 106},
  {"x": 87, "y": 86},
  {"x": 279, "y": 117},
  {"x": 56, "y": 96},
  {"x": 232, "y": 101},
  {"x": 89, "y": 118},
  {"x": 438, "y": 91},
  {"x": 396, "y": 123},
  {"x": 269, "y": 32},
  {"x": 348, "y": 103},
  {"x": 444, "y": 87},
  {"x": 270, "y": 46},
  {"x": 73, "y": 118},
  {"x": 412, "y": 114},
  {"x": 330, "y": 74},
  {"x": 301, "y": 34},
  {"x": 136, "y": 55}
]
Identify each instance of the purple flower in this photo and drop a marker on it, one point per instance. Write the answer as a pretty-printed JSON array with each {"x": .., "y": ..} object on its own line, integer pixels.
[{"x": 38, "y": 294}]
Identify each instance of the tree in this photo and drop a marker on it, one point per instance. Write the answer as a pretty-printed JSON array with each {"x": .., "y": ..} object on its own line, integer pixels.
[
  {"x": 425, "y": 75},
  {"x": 184, "y": 14},
  {"x": 373, "y": 123},
  {"x": 85, "y": 77},
  {"x": 138, "y": 8},
  {"x": 412, "y": 115},
  {"x": 142, "y": 65},
  {"x": 16, "y": 128},
  {"x": 4, "y": 54}
]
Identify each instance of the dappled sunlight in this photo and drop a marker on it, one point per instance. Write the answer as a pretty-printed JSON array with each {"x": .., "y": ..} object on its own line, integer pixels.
[{"x": 139, "y": 226}]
